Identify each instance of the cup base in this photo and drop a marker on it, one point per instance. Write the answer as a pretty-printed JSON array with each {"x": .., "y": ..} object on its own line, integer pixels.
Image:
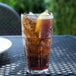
[{"x": 45, "y": 71}]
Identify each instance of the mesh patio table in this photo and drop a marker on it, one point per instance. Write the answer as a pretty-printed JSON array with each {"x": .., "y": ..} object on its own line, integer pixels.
[{"x": 62, "y": 62}]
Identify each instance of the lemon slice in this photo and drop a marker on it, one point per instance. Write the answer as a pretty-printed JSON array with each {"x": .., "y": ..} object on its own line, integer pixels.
[{"x": 43, "y": 16}]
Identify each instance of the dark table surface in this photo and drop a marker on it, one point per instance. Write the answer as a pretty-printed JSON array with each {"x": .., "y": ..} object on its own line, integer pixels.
[{"x": 62, "y": 63}]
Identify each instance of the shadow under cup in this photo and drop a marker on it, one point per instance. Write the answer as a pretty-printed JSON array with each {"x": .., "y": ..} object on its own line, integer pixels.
[{"x": 37, "y": 39}]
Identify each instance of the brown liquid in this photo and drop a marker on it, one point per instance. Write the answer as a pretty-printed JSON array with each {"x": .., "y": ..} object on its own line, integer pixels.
[
  {"x": 37, "y": 35},
  {"x": 38, "y": 53},
  {"x": 44, "y": 28}
]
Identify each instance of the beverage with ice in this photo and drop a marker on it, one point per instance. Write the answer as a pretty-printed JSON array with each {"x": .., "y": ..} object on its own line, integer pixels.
[{"x": 37, "y": 33}]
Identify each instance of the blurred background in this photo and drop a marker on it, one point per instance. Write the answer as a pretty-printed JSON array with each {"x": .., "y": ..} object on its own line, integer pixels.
[{"x": 64, "y": 12}]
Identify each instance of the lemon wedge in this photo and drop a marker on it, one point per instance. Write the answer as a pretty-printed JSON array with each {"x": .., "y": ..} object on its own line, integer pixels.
[{"x": 43, "y": 16}]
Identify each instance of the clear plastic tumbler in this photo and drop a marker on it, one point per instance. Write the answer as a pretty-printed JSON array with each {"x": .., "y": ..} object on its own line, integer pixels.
[{"x": 37, "y": 32}]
